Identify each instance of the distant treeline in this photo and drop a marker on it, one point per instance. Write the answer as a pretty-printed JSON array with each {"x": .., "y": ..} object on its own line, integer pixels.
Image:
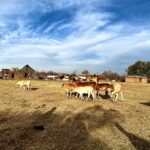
[
  {"x": 139, "y": 68},
  {"x": 108, "y": 76}
]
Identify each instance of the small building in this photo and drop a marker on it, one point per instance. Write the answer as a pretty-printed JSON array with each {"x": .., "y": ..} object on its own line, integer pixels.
[
  {"x": 6, "y": 74},
  {"x": 136, "y": 79},
  {"x": 25, "y": 73},
  {"x": 1, "y": 75}
]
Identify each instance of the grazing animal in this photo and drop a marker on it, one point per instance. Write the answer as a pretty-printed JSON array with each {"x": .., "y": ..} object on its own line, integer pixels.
[
  {"x": 103, "y": 87},
  {"x": 115, "y": 92},
  {"x": 68, "y": 87},
  {"x": 85, "y": 90},
  {"x": 97, "y": 86},
  {"x": 89, "y": 88},
  {"x": 24, "y": 84},
  {"x": 82, "y": 84}
]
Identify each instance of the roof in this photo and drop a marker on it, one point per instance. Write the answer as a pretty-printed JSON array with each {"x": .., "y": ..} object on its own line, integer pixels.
[
  {"x": 6, "y": 70},
  {"x": 27, "y": 68},
  {"x": 132, "y": 76}
]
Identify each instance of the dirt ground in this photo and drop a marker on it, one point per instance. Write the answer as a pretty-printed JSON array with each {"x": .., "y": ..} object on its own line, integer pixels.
[{"x": 45, "y": 119}]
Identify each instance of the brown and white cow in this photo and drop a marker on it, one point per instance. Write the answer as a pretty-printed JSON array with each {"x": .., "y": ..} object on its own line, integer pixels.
[
  {"x": 104, "y": 87},
  {"x": 68, "y": 87},
  {"x": 71, "y": 86}
]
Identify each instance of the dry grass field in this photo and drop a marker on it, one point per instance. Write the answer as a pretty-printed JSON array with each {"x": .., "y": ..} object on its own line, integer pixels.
[{"x": 71, "y": 124}]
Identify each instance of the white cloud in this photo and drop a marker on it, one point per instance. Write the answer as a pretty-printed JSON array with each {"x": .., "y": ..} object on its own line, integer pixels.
[
  {"x": 61, "y": 55},
  {"x": 74, "y": 51},
  {"x": 25, "y": 7}
]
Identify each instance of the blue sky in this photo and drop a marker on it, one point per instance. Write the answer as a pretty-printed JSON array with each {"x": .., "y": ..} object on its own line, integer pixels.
[{"x": 69, "y": 35}]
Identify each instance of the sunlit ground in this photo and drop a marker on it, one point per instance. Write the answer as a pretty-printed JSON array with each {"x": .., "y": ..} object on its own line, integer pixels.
[{"x": 45, "y": 118}]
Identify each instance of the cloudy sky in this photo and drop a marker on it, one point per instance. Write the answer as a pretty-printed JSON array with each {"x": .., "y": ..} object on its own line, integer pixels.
[{"x": 69, "y": 35}]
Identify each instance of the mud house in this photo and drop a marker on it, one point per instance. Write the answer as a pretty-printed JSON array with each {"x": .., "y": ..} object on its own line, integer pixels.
[
  {"x": 6, "y": 74},
  {"x": 136, "y": 79},
  {"x": 25, "y": 73}
]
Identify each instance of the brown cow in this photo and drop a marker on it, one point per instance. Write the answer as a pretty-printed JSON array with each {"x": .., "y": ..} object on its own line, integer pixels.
[
  {"x": 103, "y": 87},
  {"x": 98, "y": 87},
  {"x": 81, "y": 84},
  {"x": 68, "y": 87}
]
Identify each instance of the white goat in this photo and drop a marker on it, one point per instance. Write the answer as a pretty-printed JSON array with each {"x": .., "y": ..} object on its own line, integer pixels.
[
  {"x": 85, "y": 90},
  {"x": 24, "y": 84},
  {"x": 115, "y": 92}
]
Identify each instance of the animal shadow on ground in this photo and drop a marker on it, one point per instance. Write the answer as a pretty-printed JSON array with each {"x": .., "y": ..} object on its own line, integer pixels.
[
  {"x": 57, "y": 130},
  {"x": 106, "y": 97},
  {"x": 97, "y": 117},
  {"x": 138, "y": 143},
  {"x": 34, "y": 89},
  {"x": 48, "y": 131},
  {"x": 146, "y": 103}
]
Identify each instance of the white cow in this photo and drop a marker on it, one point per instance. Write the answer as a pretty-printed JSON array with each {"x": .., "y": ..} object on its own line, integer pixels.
[
  {"x": 24, "y": 84},
  {"x": 85, "y": 90}
]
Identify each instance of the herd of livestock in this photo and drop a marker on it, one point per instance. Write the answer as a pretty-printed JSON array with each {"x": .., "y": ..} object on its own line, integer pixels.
[
  {"x": 83, "y": 90},
  {"x": 92, "y": 89}
]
